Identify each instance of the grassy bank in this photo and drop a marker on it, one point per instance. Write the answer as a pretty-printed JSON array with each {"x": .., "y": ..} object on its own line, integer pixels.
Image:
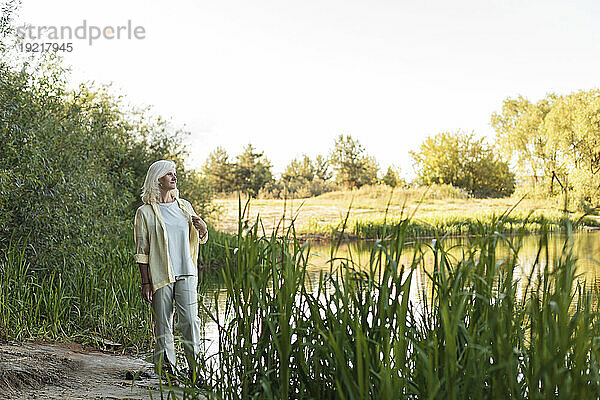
[
  {"x": 357, "y": 335},
  {"x": 458, "y": 224},
  {"x": 433, "y": 210}
]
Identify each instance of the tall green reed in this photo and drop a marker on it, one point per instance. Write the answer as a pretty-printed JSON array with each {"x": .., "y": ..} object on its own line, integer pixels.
[{"x": 94, "y": 298}]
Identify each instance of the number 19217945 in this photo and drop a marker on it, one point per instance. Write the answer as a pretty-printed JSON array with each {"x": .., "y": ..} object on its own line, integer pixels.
[{"x": 45, "y": 47}]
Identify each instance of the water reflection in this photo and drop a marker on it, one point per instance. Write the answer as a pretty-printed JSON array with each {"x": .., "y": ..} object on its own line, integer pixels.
[{"x": 586, "y": 247}]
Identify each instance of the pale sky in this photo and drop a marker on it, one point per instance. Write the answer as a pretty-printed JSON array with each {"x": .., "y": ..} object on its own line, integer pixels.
[{"x": 289, "y": 77}]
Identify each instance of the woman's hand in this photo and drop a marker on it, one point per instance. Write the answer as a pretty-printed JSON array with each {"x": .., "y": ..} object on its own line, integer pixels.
[
  {"x": 199, "y": 225},
  {"x": 147, "y": 292}
]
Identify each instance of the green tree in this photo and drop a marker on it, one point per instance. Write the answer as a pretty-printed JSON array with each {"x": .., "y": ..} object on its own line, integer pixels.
[
  {"x": 461, "y": 160},
  {"x": 370, "y": 170},
  {"x": 299, "y": 169},
  {"x": 252, "y": 171},
  {"x": 353, "y": 167},
  {"x": 304, "y": 177},
  {"x": 520, "y": 135},
  {"x": 392, "y": 177},
  {"x": 219, "y": 171},
  {"x": 559, "y": 137},
  {"x": 322, "y": 170}
]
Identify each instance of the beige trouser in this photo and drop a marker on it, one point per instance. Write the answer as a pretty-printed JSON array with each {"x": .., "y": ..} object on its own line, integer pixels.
[{"x": 184, "y": 292}]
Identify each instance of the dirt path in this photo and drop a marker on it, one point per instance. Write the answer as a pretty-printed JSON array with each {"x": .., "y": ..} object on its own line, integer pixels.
[{"x": 60, "y": 371}]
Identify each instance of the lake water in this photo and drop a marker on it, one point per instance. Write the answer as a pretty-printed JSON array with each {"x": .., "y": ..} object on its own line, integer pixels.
[{"x": 586, "y": 246}]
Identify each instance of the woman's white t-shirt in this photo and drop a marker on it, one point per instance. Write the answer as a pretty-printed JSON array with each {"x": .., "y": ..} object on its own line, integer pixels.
[{"x": 178, "y": 232}]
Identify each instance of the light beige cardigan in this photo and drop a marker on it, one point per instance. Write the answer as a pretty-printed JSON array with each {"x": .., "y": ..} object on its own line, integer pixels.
[{"x": 151, "y": 243}]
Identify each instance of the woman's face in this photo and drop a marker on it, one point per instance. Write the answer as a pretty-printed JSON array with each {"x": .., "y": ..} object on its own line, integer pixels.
[{"x": 169, "y": 181}]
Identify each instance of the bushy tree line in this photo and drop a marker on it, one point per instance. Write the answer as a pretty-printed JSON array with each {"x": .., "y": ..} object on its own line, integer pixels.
[
  {"x": 458, "y": 159},
  {"x": 552, "y": 145},
  {"x": 347, "y": 166}
]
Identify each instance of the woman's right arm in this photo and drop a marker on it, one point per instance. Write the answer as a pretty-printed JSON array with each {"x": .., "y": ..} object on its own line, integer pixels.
[
  {"x": 142, "y": 249},
  {"x": 146, "y": 283}
]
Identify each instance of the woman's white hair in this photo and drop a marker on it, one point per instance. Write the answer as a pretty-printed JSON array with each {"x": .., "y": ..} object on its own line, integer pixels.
[{"x": 151, "y": 189}]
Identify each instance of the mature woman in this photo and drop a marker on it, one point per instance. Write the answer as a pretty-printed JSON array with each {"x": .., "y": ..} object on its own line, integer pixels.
[{"x": 167, "y": 234}]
